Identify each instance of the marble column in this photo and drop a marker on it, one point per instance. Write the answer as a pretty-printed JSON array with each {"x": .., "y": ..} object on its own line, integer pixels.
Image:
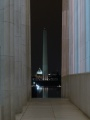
[
  {"x": 87, "y": 35},
  {"x": 15, "y": 58},
  {"x": 78, "y": 27},
  {"x": 5, "y": 59},
  {"x": 65, "y": 39},
  {"x": 77, "y": 36}
]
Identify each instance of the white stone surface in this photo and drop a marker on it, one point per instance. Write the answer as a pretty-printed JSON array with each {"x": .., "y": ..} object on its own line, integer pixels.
[
  {"x": 76, "y": 88},
  {"x": 75, "y": 36},
  {"x": 14, "y": 60},
  {"x": 65, "y": 39},
  {"x": 51, "y": 109}
]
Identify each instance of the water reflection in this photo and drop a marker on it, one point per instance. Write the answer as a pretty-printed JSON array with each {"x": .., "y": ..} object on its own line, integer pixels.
[{"x": 46, "y": 92}]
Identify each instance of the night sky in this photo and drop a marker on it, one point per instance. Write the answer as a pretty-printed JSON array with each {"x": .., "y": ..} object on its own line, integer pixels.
[{"x": 46, "y": 13}]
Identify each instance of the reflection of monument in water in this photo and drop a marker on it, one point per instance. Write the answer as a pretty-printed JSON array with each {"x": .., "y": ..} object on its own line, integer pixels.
[{"x": 45, "y": 61}]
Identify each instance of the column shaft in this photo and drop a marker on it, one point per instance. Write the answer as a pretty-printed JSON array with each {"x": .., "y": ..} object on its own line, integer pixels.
[{"x": 14, "y": 62}]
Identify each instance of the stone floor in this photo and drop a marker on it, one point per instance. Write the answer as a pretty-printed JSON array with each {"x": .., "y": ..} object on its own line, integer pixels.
[{"x": 51, "y": 109}]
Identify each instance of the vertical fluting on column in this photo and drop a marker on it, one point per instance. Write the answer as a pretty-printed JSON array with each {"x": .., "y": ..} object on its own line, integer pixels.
[
  {"x": 28, "y": 49},
  {"x": 5, "y": 61},
  {"x": 0, "y": 86},
  {"x": 24, "y": 49},
  {"x": 1, "y": 50},
  {"x": 17, "y": 38},
  {"x": 71, "y": 37},
  {"x": 63, "y": 42},
  {"x": 45, "y": 62},
  {"x": 20, "y": 61},
  {"x": 79, "y": 17},
  {"x": 82, "y": 35},
  {"x": 79, "y": 43},
  {"x": 29, "y": 39},
  {"x": 65, "y": 39},
  {"x": 12, "y": 73},
  {"x": 87, "y": 35},
  {"x": 76, "y": 35},
  {"x": 13, "y": 89}
]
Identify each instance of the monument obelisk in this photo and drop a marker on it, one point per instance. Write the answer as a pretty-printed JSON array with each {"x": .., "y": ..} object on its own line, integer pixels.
[{"x": 45, "y": 60}]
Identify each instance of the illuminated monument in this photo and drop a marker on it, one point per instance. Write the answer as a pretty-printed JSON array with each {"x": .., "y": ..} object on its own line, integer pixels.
[{"x": 45, "y": 63}]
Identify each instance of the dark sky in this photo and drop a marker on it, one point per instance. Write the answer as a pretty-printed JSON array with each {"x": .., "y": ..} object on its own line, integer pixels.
[{"x": 46, "y": 13}]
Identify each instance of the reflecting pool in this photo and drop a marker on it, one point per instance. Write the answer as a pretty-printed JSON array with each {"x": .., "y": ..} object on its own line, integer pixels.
[{"x": 46, "y": 92}]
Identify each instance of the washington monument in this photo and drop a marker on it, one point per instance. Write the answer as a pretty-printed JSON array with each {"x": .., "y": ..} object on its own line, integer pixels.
[{"x": 45, "y": 58}]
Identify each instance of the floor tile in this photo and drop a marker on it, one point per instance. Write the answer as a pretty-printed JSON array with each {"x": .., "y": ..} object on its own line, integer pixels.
[{"x": 51, "y": 109}]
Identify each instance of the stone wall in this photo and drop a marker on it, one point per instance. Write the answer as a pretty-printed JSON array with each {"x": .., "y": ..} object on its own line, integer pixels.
[{"x": 77, "y": 89}]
